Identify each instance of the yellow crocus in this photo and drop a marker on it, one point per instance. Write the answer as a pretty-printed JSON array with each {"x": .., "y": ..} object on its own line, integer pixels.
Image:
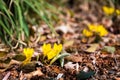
[
  {"x": 87, "y": 33},
  {"x": 117, "y": 11},
  {"x": 52, "y": 52},
  {"x": 58, "y": 47},
  {"x": 108, "y": 10},
  {"x": 46, "y": 48},
  {"x": 101, "y": 30},
  {"x": 92, "y": 27},
  {"x": 28, "y": 52}
]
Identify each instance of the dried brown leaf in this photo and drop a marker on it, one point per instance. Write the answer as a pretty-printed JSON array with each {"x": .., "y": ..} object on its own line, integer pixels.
[
  {"x": 74, "y": 58},
  {"x": 38, "y": 72}
]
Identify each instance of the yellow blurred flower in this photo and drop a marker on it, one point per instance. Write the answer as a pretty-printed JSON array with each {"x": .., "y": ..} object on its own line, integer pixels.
[
  {"x": 92, "y": 27},
  {"x": 101, "y": 30},
  {"x": 108, "y": 10},
  {"x": 117, "y": 11},
  {"x": 95, "y": 29},
  {"x": 87, "y": 33},
  {"x": 51, "y": 52},
  {"x": 28, "y": 52},
  {"x": 46, "y": 48}
]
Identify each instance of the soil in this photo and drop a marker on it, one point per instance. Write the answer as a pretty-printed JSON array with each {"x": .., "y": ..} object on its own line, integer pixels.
[{"x": 98, "y": 64}]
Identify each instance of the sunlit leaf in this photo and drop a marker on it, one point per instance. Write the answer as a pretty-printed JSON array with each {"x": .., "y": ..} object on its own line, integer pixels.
[
  {"x": 109, "y": 49},
  {"x": 68, "y": 43},
  {"x": 93, "y": 48}
]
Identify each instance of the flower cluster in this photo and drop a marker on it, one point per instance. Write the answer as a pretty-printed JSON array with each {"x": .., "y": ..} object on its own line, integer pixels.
[
  {"x": 87, "y": 33},
  {"x": 51, "y": 52},
  {"x": 95, "y": 29},
  {"x": 28, "y": 52},
  {"x": 110, "y": 10}
]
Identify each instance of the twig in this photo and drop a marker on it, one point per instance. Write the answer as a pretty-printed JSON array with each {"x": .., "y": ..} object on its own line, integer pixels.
[{"x": 6, "y": 76}]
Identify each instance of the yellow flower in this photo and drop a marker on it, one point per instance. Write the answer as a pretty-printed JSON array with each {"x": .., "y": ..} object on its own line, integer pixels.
[
  {"x": 28, "y": 52},
  {"x": 108, "y": 10},
  {"x": 117, "y": 11},
  {"x": 46, "y": 48},
  {"x": 101, "y": 30},
  {"x": 51, "y": 52},
  {"x": 87, "y": 33},
  {"x": 55, "y": 51},
  {"x": 92, "y": 27}
]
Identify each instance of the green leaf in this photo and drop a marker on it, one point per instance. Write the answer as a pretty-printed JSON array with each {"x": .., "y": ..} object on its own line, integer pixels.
[
  {"x": 43, "y": 15},
  {"x": 59, "y": 56},
  {"x": 22, "y": 22},
  {"x": 5, "y": 28},
  {"x": 62, "y": 61},
  {"x": 85, "y": 75},
  {"x": 109, "y": 49}
]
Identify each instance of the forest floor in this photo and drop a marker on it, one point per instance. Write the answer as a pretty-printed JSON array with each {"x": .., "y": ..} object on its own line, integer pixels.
[{"x": 87, "y": 60}]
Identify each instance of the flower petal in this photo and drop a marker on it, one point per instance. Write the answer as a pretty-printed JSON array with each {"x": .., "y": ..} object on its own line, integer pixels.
[
  {"x": 87, "y": 33},
  {"x": 28, "y": 52},
  {"x": 46, "y": 48},
  {"x": 108, "y": 10}
]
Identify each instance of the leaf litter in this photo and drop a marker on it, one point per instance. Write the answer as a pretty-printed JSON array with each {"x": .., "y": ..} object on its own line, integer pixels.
[{"x": 87, "y": 59}]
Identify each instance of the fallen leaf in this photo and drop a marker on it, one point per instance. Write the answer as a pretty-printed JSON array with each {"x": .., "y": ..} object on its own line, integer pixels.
[
  {"x": 109, "y": 49},
  {"x": 5, "y": 66},
  {"x": 68, "y": 43},
  {"x": 84, "y": 40},
  {"x": 19, "y": 57},
  {"x": 56, "y": 69},
  {"x": 38, "y": 72},
  {"x": 71, "y": 65},
  {"x": 3, "y": 54},
  {"x": 65, "y": 29},
  {"x": 104, "y": 54},
  {"x": 93, "y": 48},
  {"x": 74, "y": 58},
  {"x": 28, "y": 67},
  {"x": 43, "y": 38}
]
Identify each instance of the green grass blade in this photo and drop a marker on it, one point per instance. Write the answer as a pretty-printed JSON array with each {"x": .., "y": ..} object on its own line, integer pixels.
[
  {"x": 43, "y": 16},
  {"x": 21, "y": 19},
  {"x": 5, "y": 28}
]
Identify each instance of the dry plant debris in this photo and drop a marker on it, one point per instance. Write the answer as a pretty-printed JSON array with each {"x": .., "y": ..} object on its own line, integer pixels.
[{"x": 87, "y": 47}]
